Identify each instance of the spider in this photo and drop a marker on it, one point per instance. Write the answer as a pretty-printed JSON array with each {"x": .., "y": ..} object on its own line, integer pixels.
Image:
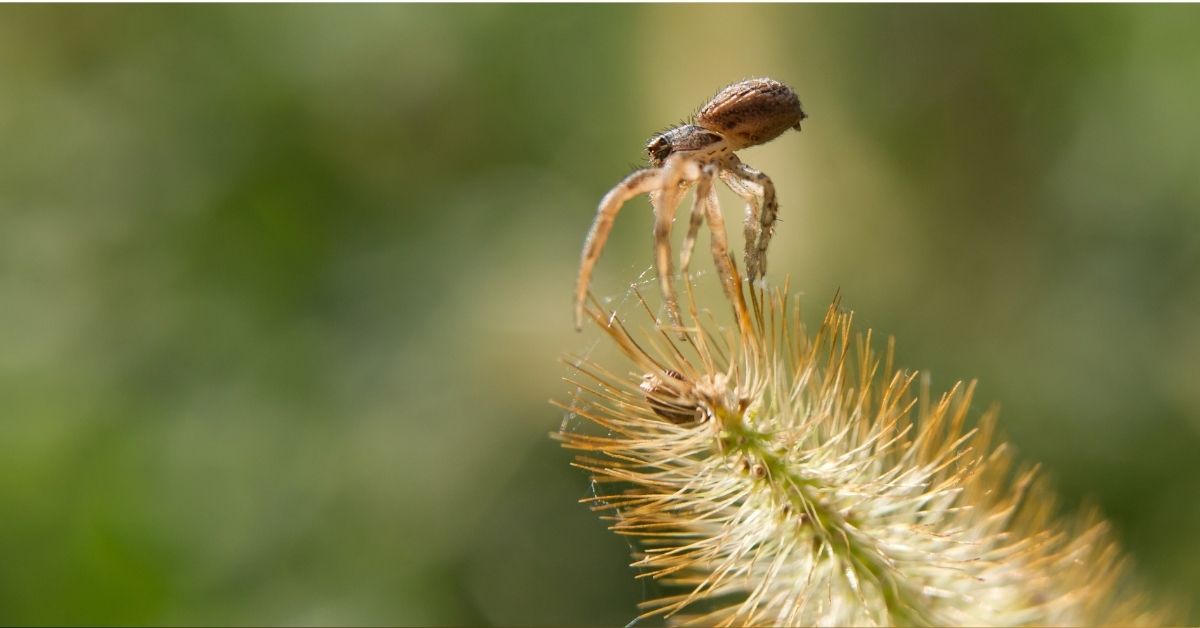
[{"x": 744, "y": 114}]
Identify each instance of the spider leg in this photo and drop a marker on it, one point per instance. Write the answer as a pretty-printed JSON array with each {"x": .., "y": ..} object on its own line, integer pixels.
[
  {"x": 704, "y": 189},
  {"x": 749, "y": 193},
  {"x": 756, "y": 255},
  {"x": 678, "y": 174},
  {"x": 720, "y": 246},
  {"x": 639, "y": 182}
]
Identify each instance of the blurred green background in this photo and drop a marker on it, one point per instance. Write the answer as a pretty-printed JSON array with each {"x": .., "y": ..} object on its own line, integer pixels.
[{"x": 282, "y": 288}]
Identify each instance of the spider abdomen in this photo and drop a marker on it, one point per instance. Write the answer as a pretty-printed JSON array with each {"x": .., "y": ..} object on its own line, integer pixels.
[{"x": 752, "y": 112}]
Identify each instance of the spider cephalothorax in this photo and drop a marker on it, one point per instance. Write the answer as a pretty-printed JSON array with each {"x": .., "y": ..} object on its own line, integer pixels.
[
  {"x": 685, "y": 137},
  {"x": 745, "y": 114}
]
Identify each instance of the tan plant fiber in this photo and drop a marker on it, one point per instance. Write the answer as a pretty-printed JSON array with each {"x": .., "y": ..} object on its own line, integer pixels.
[{"x": 775, "y": 476}]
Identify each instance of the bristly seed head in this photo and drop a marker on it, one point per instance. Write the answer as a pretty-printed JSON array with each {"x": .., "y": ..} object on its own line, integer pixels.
[{"x": 826, "y": 488}]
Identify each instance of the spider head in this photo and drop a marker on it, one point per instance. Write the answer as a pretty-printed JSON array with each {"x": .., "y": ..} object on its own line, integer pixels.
[
  {"x": 687, "y": 137},
  {"x": 658, "y": 148}
]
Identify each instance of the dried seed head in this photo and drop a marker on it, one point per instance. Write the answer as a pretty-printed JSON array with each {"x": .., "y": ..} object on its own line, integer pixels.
[
  {"x": 835, "y": 495},
  {"x": 752, "y": 112}
]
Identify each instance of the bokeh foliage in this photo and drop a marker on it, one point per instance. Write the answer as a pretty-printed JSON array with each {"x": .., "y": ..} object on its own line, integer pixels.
[{"x": 282, "y": 287}]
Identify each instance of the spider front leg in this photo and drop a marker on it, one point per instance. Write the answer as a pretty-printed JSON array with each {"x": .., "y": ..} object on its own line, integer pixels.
[
  {"x": 704, "y": 190},
  {"x": 706, "y": 206},
  {"x": 678, "y": 173},
  {"x": 639, "y": 182},
  {"x": 756, "y": 253},
  {"x": 720, "y": 247}
]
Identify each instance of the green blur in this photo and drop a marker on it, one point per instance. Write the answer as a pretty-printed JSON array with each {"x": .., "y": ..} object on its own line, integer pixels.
[{"x": 283, "y": 288}]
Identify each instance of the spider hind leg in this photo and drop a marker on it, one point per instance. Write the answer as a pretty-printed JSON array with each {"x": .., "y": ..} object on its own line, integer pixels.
[{"x": 761, "y": 211}]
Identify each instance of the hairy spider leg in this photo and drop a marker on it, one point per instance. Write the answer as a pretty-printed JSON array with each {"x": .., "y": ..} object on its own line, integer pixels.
[
  {"x": 678, "y": 174},
  {"x": 705, "y": 206},
  {"x": 756, "y": 256},
  {"x": 699, "y": 208},
  {"x": 720, "y": 251},
  {"x": 638, "y": 182},
  {"x": 752, "y": 195}
]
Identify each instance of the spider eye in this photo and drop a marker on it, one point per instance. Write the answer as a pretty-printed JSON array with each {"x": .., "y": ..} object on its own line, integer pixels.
[{"x": 658, "y": 149}]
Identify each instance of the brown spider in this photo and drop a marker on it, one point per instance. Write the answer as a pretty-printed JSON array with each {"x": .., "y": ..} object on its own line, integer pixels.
[{"x": 745, "y": 114}]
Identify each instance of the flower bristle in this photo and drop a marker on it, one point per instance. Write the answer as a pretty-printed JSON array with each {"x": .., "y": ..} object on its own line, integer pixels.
[{"x": 818, "y": 485}]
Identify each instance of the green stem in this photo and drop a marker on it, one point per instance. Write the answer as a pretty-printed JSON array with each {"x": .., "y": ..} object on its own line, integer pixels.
[{"x": 840, "y": 532}]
